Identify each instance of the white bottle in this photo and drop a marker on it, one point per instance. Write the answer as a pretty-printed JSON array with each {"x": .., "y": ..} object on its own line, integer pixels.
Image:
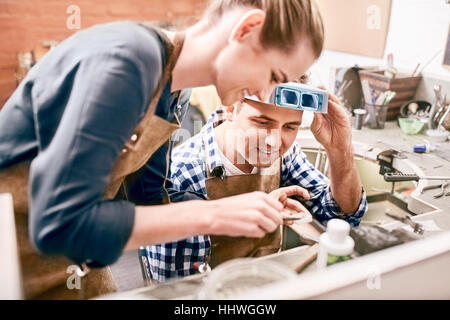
[{"x": 335, "y": 244}]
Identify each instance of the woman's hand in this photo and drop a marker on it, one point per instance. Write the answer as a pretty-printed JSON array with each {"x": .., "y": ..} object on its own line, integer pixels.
[
  {"x": 247, "y": 215},
  {"x": 251, "y": 215}
]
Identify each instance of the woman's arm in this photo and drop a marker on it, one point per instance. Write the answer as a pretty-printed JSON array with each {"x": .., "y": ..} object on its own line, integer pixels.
[
  {"x": 67, "y": 179},
  {"x": 251, "y": 214}
]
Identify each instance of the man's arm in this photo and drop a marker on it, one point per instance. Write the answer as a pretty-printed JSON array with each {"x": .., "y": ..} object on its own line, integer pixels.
[
  {"x": 346, "y": 184},
  {"x": 333, "y": 131},
  {"x": 297, "y": 170}
]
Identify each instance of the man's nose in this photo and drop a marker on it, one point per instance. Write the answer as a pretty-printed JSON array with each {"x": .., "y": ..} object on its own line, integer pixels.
[{"x": 273, "y": 139}]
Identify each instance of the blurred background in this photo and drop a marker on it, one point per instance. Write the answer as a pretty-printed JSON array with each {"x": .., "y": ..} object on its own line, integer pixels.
[
  {"x": 358, "y": 32},
  {"x": 34, "y": 25}
]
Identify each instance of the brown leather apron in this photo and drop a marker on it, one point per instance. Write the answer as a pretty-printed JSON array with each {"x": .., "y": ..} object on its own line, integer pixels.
[
  {"x": 45, "y": 277},
  {"x": 225, "y": 248}
]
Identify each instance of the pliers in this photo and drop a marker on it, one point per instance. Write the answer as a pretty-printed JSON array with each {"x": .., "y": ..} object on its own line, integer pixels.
[
  {"x": 441, "y": 186},
  {"x": 417, "y": 227}
]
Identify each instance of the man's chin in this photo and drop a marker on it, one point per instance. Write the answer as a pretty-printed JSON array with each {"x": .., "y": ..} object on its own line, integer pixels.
[{"x": 263, "y": 162}]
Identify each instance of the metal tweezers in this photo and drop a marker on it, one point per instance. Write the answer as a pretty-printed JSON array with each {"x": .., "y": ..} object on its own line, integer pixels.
[
  {"x": 294, "y": 217},
  {"x": 441, "y": 186}
]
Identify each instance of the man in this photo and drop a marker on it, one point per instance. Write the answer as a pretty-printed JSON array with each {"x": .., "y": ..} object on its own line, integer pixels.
[{"x": 242, "y": 139}]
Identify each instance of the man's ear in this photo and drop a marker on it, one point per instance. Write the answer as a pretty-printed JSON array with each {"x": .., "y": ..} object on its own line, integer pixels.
[
  {"x": 247, "y": 23},
  {"x": 230, "y": 113}
]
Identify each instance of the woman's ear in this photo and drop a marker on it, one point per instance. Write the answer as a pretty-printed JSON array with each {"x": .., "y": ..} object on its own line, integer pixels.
[{"x": 246, "y": 24}]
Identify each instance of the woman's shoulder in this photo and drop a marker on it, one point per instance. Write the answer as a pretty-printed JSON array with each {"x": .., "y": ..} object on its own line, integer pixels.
[
  {"x": 138, "y": 42},
  {"x": 125, "y": 39},
  {"x": 134, "y": 43}
]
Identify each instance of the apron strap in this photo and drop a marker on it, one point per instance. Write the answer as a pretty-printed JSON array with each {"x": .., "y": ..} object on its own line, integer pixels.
[
  {"x": 167, "y": 75},
  {"x": 173, "y": 51},
  {"x": 218, "y": 172},
  {"x": 207, "y": 168}
]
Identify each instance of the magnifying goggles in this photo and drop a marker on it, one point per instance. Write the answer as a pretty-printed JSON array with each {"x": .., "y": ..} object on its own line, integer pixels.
[{"x": 297, "y": 96}]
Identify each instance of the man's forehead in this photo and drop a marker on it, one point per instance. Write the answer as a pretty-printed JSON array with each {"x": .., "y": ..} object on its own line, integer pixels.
[{"x": 272, "y": 112}]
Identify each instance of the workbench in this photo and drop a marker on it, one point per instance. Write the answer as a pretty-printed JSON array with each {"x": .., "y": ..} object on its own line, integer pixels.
[{"x": 347, "y": 279}]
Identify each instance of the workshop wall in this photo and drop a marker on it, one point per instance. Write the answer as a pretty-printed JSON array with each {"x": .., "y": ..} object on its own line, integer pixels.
[
  {"x": 417, "y": 33},
  {"x": 25, "y": 24}
]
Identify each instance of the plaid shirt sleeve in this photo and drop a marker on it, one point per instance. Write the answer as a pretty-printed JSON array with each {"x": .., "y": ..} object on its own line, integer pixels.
[
  {"x": 187, "y": 169},
  {"x": 297, "y": 170}
]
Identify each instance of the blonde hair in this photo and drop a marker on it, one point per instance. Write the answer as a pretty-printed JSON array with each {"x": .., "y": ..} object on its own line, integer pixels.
[{"x": 286, "y": 21}]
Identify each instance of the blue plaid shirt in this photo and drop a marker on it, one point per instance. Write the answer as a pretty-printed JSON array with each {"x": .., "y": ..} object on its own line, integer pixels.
[{"x": 176, "y": 259}]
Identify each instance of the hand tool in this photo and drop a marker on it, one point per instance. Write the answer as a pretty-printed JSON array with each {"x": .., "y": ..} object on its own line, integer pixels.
[
  {"x": 300, "y": 217},
  {"x": 417, "y": 227},
  {"x": 441, "y": 186},
  {"x": 394, "y": 177},
  {"x": 145, "y": 266}
]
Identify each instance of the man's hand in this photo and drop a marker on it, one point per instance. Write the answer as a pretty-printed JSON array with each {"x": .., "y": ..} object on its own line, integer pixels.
[
  {"x": 334, "y": 132},
  {"x": 291, "y": 206},
  {"x": 333, "y": 129}
]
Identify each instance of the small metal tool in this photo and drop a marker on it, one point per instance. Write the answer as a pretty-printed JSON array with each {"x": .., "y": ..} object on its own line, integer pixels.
[
  {"x": 394, "y": 177},
  {"x": 308, "y": 239},
  {"x": 292, "y": 218},
  {"x": 145, "y": 266},
  {"x": 300, "y": 217},
  {"x": 203, "y": 267},
  {"x": 441, "y": 186},
  {"x": 417, "y": 227},
  {"x": 443, "y": 118}
]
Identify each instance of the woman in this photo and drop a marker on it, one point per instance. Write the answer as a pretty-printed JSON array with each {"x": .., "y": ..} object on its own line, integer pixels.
[{"x": 102, "y": 105}]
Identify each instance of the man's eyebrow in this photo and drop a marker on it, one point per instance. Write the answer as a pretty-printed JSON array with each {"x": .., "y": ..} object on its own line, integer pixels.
[
  {"x": 297, "y": 123},
  {"x": 263, "y": 117}
]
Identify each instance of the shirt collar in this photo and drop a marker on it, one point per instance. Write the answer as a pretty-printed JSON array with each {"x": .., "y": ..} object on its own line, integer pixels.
[{"x": 211, "y": 147}]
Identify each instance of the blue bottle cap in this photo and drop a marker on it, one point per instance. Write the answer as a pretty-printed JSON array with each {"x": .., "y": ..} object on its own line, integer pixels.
[{"x": 419, "y": 148}]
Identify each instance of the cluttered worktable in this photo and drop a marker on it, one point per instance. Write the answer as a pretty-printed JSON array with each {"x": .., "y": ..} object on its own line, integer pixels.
[
  {"x": 368, "y": 144},
  {"x": 414, "y": 269}
]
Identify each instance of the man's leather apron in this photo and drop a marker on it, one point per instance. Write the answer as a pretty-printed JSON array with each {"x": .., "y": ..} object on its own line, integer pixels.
[
  {"x": 225, "y": 248},
  {"x": 45, "y": 277}
]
